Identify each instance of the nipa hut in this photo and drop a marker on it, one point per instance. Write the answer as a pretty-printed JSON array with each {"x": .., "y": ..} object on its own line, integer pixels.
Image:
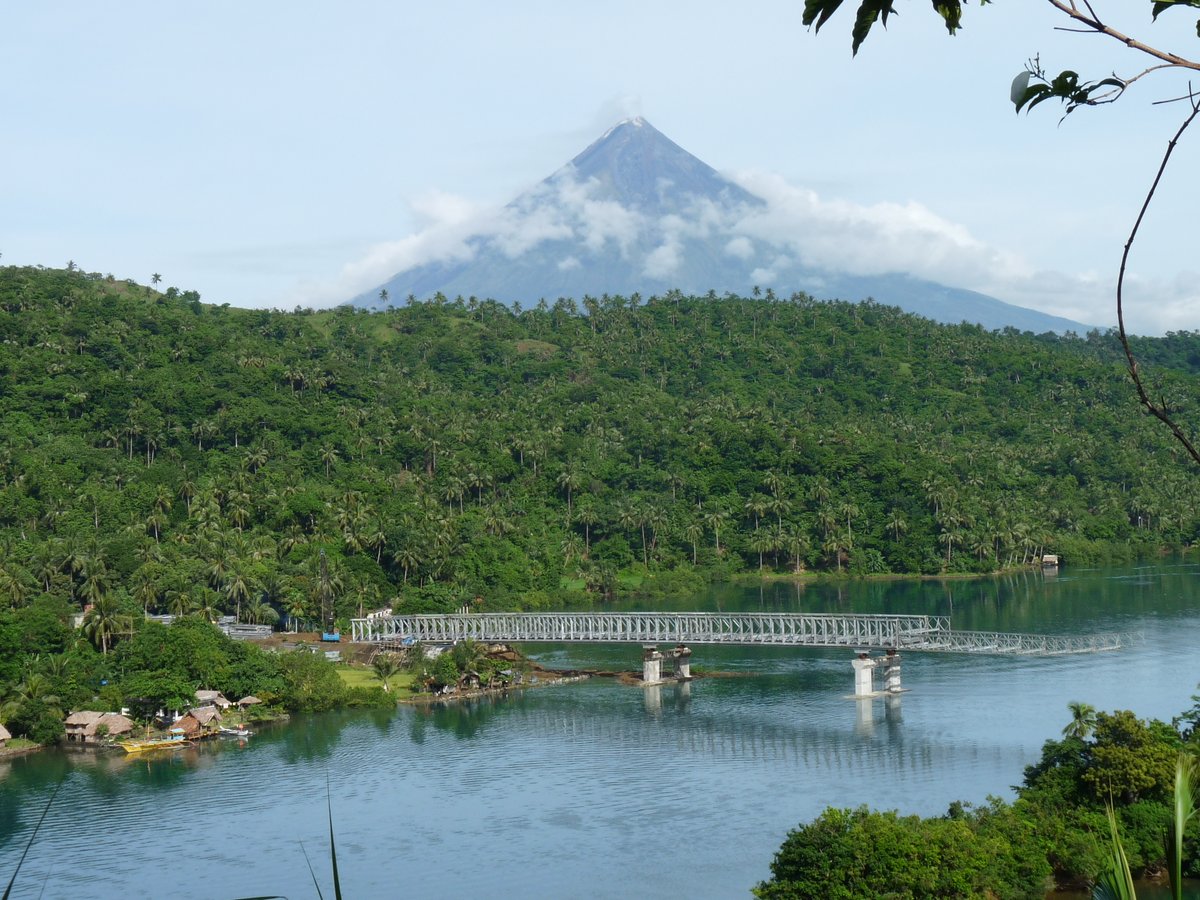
[
  {"x": 212, "y": 698},
  {"x": 91, "y": 727},
  {"x": 248, "y": 701},
  {"x": 4, "y": 736},
  {"x": 199, "y": 722}
]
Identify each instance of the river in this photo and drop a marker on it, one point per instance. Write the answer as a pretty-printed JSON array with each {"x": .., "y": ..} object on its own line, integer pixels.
[{"x": 601, "y": 790}]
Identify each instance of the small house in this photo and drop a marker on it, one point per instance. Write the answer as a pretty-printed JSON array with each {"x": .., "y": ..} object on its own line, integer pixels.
[
  {"x": 212, "y": 698},
  {"x": 199, "y": 722},
  {"x": 91, "y": 727},
  {"x": 4, "y": 736}
]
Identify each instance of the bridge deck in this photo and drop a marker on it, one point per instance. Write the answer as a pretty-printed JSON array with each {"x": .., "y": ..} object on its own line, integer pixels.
[{"x": 910, "y": 633}]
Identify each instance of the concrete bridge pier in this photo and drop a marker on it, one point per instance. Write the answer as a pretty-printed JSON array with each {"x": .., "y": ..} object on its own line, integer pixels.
[
  {"x": 652, "y": 662},
  {"x": 657, "y": 666},
  {"x": 864, "y": 674},
  {"x": 683, "y": 662},
  {"x": 891, "y": 672}
]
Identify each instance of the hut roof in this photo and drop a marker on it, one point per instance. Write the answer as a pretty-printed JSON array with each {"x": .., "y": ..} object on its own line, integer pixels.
[
  {"x": 85, "y": 717},
  {"x": 115, "y": 723},
  {"x": 215, "y": 698},
  {"x": 89, "y": 720},
  {"x": 205, "y": 714},
  {"x": 249, "y": 701},
  {"x": 4, "y": 735}
]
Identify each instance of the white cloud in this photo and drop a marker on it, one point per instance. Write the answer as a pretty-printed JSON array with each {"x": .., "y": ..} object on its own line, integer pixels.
[
  {"x": 795, "y": 226},
  {"x": 663, "y": 261},
  {"x": 741, "y": 247},
  {"x": 521, "y": 231}
]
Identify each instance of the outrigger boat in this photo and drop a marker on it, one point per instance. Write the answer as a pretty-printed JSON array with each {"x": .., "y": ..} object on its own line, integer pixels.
[
  {"x": 241, "y": 731},
  {"x": 176, "y": 739}
]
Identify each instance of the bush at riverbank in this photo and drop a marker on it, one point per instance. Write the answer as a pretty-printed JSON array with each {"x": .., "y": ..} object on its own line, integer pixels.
[{"x": 1055, "y": 831}]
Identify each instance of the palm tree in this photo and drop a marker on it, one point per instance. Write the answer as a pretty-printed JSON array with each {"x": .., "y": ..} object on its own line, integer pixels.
[
  {"x": 15, "y": 582},
  {"x": 407, "y": 558},
  {"x": 714, "y": 519},
  {"x": 763, "y": 541},
  {"x": 202, "y": 604},
  {"x": 35, "y": 688},
  {"x": 1083, "y": 720},
  {"x": 385, "y": 665},
  {"x": 797, "y": 545},
  {"x": 570, "y": 481},
  {"x": 329, "y": 456},
  {"x": 296, "y": 607},
  {"x": 103, "y": 621},
  {"x": 693, "y": 531},
  {"x": 262, "y": 613},
  {"x": 238, "y": 587}
]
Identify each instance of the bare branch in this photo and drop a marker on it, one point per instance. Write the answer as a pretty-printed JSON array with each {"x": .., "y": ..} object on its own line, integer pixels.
[
  {"x": 1090, "y": 20},
  {"x": 1159, "y": 410}
]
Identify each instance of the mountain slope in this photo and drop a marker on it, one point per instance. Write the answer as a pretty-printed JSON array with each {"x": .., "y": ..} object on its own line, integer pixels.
[{"x": 636, "y": 213}]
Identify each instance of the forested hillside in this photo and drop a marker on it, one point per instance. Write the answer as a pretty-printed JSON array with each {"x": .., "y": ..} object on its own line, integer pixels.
[{"x": 163, "y": 454}]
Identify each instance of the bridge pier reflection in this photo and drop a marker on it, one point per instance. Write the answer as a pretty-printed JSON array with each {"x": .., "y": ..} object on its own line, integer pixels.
[
  {"x": 652, "y": 697},
  {"x": 864, "y": 724}
]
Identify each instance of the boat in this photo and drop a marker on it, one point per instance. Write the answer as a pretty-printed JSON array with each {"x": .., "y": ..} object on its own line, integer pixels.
[
  {"x": 236, "y": 732},
  {"x": 175, "y": 739}
]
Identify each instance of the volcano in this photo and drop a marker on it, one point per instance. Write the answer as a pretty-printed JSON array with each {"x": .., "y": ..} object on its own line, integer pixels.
[{"x": 636, "y": 213}]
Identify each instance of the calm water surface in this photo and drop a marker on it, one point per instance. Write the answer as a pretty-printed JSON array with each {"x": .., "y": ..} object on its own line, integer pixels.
[{"x": 598, "y": 790}]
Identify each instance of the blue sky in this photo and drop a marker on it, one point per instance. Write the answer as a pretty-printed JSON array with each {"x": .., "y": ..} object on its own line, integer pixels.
[{"x": 270, "y": 154}]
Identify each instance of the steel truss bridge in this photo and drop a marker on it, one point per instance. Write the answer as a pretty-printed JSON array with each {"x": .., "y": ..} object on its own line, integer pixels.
[{"x": 855, "y": 632}]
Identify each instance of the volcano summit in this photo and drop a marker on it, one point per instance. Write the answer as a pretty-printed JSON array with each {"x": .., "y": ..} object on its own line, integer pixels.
[{"x": 636, "y": 213}]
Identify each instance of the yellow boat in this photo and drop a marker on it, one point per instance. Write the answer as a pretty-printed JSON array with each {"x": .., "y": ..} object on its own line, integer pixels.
[{"x": 176, "y": 739}]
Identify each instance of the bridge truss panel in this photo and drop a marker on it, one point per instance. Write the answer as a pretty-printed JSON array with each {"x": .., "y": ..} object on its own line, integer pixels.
[{"x": 858, "y": 632}]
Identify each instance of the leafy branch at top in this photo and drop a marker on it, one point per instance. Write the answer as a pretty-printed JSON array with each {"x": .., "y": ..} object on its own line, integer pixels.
[{"x": 1034, "y": 86}]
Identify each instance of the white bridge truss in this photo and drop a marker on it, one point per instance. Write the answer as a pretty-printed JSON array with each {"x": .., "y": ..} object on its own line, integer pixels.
[{"x": 858, "y": 632}]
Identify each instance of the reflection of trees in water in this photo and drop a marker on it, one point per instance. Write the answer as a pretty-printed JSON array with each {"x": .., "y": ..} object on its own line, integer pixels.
[
  {"x": 24, "y": 782},
  {"x": 309, "y": 738},
  {"x": 461, "y": 718},
  {"x": 1027, "y": 600},
  {"x": 382, "y": 719}
]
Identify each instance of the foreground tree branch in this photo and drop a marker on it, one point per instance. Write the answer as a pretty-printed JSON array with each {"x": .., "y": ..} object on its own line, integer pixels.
[
  {"x": 1073, "y": 92},
  {"x": 1158, "y": 410}
]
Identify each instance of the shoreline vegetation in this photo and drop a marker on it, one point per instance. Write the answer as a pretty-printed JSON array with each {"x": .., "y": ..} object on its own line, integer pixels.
[
  {"x": 164, "y": 456},
  {"x": 168, "y": 455},
  {"x": 1054, "y": 836}
]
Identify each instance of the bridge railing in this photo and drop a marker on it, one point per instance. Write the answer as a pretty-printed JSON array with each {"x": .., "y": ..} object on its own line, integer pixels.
[
  {"x": 999, "y": 642},
  {"x": 788, "y": 629}
]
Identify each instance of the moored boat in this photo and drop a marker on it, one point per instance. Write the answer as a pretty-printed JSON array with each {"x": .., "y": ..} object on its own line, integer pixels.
[{"x": 176, "y": 738}]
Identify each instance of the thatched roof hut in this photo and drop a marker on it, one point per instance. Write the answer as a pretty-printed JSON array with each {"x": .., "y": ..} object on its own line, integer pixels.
[
  {"x": 199, "y": 721},
  {"x": 248, "y": 701},
  {"x": 91, "y": 727},
  {"x": 206, "y": 715},
  {"x": 4, "y": 736},
  {"x": 212, "y": 698}
]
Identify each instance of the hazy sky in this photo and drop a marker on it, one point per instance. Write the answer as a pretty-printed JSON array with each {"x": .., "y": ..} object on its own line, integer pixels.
[{"x": 269, "y": 153}]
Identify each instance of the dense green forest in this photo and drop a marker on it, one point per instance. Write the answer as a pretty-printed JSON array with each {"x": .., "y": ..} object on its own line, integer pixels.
[
  {"x": 161, "y": 454},
  {"x": 1055, "y": 831}
]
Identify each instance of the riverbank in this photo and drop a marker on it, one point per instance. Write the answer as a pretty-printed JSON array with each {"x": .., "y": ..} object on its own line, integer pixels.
[{"x": 19, "y": 747}]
